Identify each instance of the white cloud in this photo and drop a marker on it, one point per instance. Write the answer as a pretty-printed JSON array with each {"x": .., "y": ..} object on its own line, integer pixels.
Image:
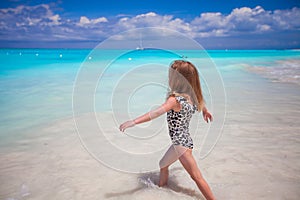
[
  {"x": 29, "y": 16},
  {"x": 84, "y": 21},
  {"x": 263, "y": 27},
  {"x": 99, "y": 20},
  {"x": 55, "y": 19},
  {"x": 287, "y": 19},
  {"x": 152, "y": 19},
  {"x": 211, "y": 24},
  {"x": 42, "y": 23},
  {"x": 246, "y": 20}
]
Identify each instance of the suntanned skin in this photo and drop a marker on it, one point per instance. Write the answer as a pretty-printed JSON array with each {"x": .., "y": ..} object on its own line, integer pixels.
[{"x": 185, "y": 157}]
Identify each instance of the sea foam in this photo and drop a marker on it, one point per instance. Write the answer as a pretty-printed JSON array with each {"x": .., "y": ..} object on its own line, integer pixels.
[{"x": 285, "y": 71}]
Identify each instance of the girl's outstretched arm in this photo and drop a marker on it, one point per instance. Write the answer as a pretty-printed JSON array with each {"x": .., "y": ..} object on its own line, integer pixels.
[{"x": 165, "y": 107}]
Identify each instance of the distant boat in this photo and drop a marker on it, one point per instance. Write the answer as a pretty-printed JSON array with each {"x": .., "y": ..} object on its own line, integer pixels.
[{"x": 139, "y": 48}]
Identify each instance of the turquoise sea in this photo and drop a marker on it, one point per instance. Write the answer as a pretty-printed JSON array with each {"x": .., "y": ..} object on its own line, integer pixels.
[
  {"x": 36, "y": 85},
  {"x": 262, "y": 99}
]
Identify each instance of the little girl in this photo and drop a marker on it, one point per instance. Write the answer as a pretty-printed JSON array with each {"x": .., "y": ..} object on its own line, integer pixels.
[{"x": 184, "y": 98}]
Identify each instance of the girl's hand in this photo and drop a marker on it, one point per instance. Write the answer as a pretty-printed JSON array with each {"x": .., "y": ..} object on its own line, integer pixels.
[
  {"x": 207, "y": 116},
  {"x": 126, "y": 125}
]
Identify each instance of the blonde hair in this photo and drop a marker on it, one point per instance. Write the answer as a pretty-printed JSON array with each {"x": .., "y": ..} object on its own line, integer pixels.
[{"x": 184, "y": 80}]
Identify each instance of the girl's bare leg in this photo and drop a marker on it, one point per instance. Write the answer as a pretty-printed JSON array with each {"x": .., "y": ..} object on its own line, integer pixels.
[
  {"x": 163, "y": 177},
  {"x": 190, "y": 165},
  {"x": 172, "y": 154}
]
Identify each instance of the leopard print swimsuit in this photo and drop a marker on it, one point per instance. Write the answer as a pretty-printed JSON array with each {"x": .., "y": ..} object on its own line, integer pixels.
[{"x": 178, "y": 123}]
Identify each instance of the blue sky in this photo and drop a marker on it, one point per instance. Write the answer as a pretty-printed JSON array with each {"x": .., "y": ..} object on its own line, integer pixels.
[{"x": 216, "y": 24}]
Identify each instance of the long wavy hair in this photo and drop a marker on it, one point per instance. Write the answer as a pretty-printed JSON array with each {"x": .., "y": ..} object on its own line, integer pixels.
[{"x": 184, "y": 80}]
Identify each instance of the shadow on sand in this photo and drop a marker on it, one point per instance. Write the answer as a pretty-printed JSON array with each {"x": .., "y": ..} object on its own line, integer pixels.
[{"x": 150, "y": 180}]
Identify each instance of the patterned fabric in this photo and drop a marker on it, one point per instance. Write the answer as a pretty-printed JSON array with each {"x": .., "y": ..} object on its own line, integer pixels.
[{"x": 178, "y": 123}]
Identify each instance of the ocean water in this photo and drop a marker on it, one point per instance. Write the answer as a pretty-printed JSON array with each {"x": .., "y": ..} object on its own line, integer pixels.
[
  {"x": 37, "y": 84},
  {"x": 41, "y": 89}
]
